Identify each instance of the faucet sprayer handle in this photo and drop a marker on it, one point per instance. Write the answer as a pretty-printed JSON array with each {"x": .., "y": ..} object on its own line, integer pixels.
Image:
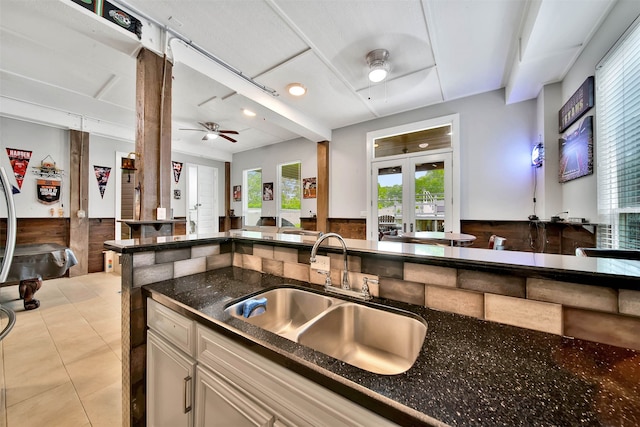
[
  {"x": 327, "y": 277},
  {"x": 365, "y": 286}
]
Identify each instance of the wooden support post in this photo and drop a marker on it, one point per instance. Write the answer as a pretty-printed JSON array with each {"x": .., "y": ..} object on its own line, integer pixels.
[
  {"x": 79, "y": 199},
  {"x": 153, "y": 133},
  {"x": 323, "y": 187},
  {"x": 227, "y": 196}
]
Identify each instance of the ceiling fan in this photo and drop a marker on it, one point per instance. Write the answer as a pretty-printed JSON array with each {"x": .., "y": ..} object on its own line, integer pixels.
[{"x": 212, "y": 131}]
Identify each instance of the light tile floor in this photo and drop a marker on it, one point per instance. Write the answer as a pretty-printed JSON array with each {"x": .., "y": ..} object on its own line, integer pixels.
[{"x": 62, "y": 364}]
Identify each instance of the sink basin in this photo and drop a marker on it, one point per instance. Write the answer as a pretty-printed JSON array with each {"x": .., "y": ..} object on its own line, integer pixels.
[
  {"x": 287, "y": 310},
  {"x": 380, "y": 340},
  {"x": 377, "y": 340}
]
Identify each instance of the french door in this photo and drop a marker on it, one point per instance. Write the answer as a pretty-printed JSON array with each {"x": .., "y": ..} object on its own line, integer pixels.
[{"x": 411, "y": 194}]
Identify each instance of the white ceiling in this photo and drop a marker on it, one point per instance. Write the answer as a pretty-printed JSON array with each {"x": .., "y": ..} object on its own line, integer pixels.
[{"x": 62, "y": 65}]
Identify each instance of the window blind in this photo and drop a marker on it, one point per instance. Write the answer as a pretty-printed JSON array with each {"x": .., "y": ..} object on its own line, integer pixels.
[{"x": 618, "y": 143}]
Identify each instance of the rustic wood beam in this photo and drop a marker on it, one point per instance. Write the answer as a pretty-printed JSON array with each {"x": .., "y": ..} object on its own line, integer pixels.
[
  {"x": 153, "y": 133},
  {"x": 323, "y": 187},
  {"x": 79, "y": 200}
]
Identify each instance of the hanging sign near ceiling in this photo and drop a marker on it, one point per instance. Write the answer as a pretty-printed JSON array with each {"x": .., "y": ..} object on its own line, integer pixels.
[
  {"x": 579, "y": 103},
  {"x": 113, "y": 14},
  {"x": 48, "y": 191},
  {"x": 19, "y": 160}
]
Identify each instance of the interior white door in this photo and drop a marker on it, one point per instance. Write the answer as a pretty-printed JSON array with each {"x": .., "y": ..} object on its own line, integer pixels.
[
  {"x": 202, "y": 199},
  {"x": 207, "y": 200}
]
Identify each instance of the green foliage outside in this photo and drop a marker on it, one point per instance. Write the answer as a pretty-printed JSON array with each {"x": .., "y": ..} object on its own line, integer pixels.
[
  {"x": 432, "y": 181},
  {"x": 290, "y": 194},
  {"x": 254, "y": 190}
]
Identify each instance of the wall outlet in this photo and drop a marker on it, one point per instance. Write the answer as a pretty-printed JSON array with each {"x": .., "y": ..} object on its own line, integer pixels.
[
  {"x": 161, "y": 214},
  {"x": 321, "y": 263}
]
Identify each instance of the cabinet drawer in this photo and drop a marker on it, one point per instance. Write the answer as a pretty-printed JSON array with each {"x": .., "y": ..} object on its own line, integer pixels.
[
  {"x": 175, "y": 328},
  {"x": 293, "y": 399}
]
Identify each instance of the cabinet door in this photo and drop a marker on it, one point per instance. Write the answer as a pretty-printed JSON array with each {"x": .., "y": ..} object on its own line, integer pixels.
[
  {"x": 169, "y": 385},
  {"x": 219, "y": 403}
]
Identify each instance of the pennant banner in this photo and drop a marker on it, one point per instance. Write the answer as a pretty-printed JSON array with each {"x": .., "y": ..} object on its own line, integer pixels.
[
  {"x": 19, "y": 160},
  {"x": 48, "y": 191},
  {"x": 102, "y": 175},
  {"x": 177, "y": 170}
]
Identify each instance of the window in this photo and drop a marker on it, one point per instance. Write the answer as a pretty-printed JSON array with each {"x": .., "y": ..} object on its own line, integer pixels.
[
  {"x": 618, "y": 143},
  {"x": 252, "y": 202},
  {"x": 290, "y": 194}
]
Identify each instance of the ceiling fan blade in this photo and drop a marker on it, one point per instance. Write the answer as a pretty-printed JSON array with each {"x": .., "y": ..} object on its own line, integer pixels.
[
  {"x": 229, "y": 131},
  {"x": 226, "y": 137},
  {"x": 199, "y": 130}
]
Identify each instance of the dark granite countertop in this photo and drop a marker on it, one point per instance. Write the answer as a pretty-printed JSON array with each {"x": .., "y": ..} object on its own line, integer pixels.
[
  {"x": 608, "y": 272},
  {"x": 469, "y": 372}
]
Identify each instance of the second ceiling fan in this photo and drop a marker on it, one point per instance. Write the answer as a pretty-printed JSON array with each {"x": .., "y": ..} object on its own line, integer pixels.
[{"x": 212, "y": 131}]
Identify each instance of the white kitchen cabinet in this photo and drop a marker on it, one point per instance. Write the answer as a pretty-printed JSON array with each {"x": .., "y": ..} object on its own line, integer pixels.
[
  {"x": 219, "y": 403},
  {"x": 170, "y": 376},
  {"x": 170, "y": 368},
  {"x": 265, "y": 386},
  {"x": 199, "y": 377}
]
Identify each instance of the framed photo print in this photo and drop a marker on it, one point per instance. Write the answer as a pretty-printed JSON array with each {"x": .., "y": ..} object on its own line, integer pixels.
[
  {"x": 576, "y": 152},
  {"x": 309, "y": 188},
  {"x": 237, "y": 193},
  {"x": 267, "y": 191}
]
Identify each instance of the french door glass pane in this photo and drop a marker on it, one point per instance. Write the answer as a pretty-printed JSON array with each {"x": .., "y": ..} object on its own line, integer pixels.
[
  {"x": 389, "y": 199},
  {"x": 429, "y": 196}
]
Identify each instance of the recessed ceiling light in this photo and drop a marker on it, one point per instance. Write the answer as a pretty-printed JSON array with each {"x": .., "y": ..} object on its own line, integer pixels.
[
  {"x": 248, "y": 112},
  {"x": 423, "y": 145},
  {"x": 296, "y": 89}
]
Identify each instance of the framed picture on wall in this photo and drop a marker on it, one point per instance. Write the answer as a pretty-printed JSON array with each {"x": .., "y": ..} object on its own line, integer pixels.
[
  {"x": 309, "y": 188},
  {"x": 267, "y": 191},
  {"x": 237, "y": 193},
  {"x": 576, "y": 152}
]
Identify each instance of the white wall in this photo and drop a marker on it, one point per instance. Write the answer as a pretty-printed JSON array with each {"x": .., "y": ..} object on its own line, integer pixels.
[
  {"x": 495, "y": 144},
  {"x": 268, "y": 158},
  {"x": 45, "y": 140},
  {"x": 42, "y": 141},
  {"x": 579, "y": 196},
  {"x": 102, "y": 153}
]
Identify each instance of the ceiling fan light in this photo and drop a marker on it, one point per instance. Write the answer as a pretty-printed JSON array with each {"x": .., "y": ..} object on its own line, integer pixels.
[
  {"x": 378, "y": 65},
  {"x": 211, "y": 135},
  {"x": 296, "y": 89},
  {"x": 378, "y": 73}
]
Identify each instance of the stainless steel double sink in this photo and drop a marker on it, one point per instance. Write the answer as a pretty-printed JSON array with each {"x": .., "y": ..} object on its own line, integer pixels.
[{"x": 379, "y": 339}]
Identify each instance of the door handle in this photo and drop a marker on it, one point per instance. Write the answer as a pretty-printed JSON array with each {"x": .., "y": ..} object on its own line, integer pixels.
[
  {"x": 404, "y": 227},
  {"x": 411, "y": 227},
  {"x": 187, "y": 390}
]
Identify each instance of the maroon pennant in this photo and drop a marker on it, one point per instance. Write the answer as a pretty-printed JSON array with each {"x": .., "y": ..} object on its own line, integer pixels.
[{"x": 19, "y": 160}]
